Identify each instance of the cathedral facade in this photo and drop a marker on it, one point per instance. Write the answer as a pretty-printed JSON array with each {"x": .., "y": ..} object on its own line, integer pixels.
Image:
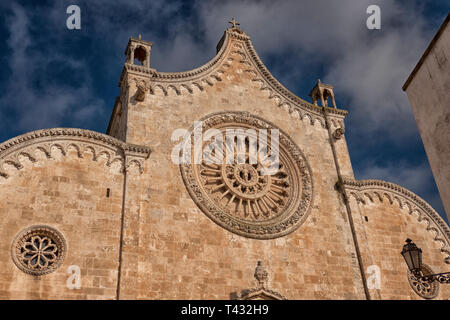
[{"x": 133, "y": 214}]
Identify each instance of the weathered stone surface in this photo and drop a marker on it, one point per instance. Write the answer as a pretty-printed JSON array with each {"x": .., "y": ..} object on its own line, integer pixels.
[{"x": 134, "y": 230}]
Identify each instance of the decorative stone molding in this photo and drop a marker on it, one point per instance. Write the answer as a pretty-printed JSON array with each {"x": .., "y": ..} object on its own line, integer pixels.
[
  {"x": 338, "y": 133},
  {"x": 38, "y": 250},
  {"x": 333, "y": 120},
  {"x": 424, "y": 289},
  {"x": 261, "y": 292},
  {"x": 66, "y": 138},
  {"x": 142, "y": 86},
  {"x": 284, "y": 97},
  {"x": 262, "y": 206},
  {"x": 235, "y": 46},
  {"x": 370, "y": 190}
]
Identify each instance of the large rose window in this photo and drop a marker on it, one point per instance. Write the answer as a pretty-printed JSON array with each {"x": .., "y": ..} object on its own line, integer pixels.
[{"x": 247, "y": 197}]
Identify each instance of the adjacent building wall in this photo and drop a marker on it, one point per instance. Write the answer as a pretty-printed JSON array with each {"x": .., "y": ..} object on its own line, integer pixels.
[{"x": 428, "y": 89}]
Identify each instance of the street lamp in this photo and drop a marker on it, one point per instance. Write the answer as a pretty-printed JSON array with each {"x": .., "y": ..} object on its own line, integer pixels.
[{"x": 413, "y": 258}]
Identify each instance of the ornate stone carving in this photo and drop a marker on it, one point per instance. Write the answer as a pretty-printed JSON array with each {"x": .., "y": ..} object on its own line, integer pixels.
[
  {"x": 261, "y": 275},
  {"x": 425, "y": 289},
  {"x": 235, "y": 46},
  {"x": 363, "y": 190},
  {"x": 261, "y": 292},
  {"x": 338, "y": 133},
  {"x": 67, "y": 138},
  {"x": 142, "y": 87},
  {"x": 38, "y": 250},
  {"x": 242, "y": 200},
  {"x": 293, "y": 103},
  {"x": 234, "y": 23}
]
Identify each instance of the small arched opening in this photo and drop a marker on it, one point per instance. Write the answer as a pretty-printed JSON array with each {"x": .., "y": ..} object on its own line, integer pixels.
[{"x": 140, "y": 56}]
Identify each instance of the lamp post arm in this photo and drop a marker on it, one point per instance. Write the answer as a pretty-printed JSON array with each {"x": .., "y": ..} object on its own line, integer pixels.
[{"x": 440, "y": 277}]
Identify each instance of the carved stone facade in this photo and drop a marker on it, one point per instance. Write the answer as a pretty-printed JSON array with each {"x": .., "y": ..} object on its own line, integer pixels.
[{"x": 140, "y": 226}]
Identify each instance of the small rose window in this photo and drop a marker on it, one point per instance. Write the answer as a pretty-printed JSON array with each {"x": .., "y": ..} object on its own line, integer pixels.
[
  {"x": 425, "y": 289},
  {"x": 38, "y": 250}
]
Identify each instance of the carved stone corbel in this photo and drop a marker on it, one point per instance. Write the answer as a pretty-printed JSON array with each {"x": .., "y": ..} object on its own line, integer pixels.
[
  {"x": 261, "y": 275},
  {"x": 338, "y": 133},
  {"x": 142, "y": 87},
  {"x": 261, "y": 292}
]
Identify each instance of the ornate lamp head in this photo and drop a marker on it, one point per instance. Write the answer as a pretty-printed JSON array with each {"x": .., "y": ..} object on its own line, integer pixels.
[{"x": 413, "y": 256}]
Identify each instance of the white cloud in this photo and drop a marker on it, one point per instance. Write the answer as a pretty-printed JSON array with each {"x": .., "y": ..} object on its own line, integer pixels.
[
  {"x": 54, "y": 103},
  {"x": 367, "y": 67},
  {"x": 412, "y": 177},
  {"x": 417, "y": 178},
  {"x": 367, "y": 70}
]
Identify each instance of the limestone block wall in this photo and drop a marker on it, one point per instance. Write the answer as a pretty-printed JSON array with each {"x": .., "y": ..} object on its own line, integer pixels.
[
  {"x": 185, "y": 255},
  {"x": 131, "y": 226},
  {"x": 70, "y": 180},
  {"x": 69, "y": 194}
]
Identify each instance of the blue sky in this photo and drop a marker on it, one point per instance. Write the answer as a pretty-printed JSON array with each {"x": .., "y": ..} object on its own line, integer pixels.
[{"x": 55, "y": 77}]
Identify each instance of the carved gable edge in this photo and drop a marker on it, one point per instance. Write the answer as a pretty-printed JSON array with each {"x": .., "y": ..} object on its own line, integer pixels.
[
  {"x": 237, "y": 47},
  {"x": 371, "y": 190},
  {"x": 66, "y": 138},
  {"x": 260, "y": 294}
]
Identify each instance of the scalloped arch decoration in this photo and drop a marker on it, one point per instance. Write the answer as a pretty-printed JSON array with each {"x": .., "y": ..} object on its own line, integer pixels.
[
  {"x": 236, "y": 46},
  {"x": 364, "y": 191},
  {"x": 65, "y": 139}
]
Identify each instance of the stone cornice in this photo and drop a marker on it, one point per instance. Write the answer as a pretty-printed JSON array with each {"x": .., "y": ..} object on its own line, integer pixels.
[
  {"x": 260, "y": 293},
  {"x": 277, "y": 86},
  {"x": 285, "y": 98},
  {"x": 235, "y": 46},
  {"x": 173, "y": 77},
  {"x": 65, "y": 138},
  {"x": 363, "y": 190}
]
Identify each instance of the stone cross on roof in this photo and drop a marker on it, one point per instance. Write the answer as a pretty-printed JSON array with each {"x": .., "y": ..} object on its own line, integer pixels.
[{"x": 234, "y": 23}]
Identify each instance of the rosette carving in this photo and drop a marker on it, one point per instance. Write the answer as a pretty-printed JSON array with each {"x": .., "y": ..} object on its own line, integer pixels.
[{"x": 241, "y": 196}]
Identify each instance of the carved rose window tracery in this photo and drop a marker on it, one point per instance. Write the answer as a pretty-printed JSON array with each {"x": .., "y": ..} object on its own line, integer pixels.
[
  {"x": 425, "y": 289},
  {"x": 243, "y": 191},
  {"x": 38, "y": 250},
  {"x": 239, "y": 196}
]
